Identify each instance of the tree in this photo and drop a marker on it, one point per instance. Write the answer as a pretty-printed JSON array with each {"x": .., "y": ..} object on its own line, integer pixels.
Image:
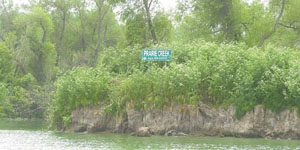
[
  {"x": 60, "y": 10},
  {"x": 7, "y": 14},
  {"x": 5, "y": 106},
  {"x": 34, "y": 31},
  {"x": 144, "y": 23},
  {"x": 220, "y": 19},
  {"x": 136, "y": 30},
  {"x": 147, "y": 6},
  {"x": 102, "y": 10},
  {"x": 6, "y": 65},
  {"x": 276, "y": 24},
  {"x": 163, "y": 27},
  {"x": 144, "y": 8},
  {"x": 255, "y": 23},
  {"x": 288, "y": 27}
]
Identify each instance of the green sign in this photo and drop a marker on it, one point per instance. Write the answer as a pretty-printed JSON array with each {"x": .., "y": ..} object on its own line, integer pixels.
[{"x": 156, "y": 55}]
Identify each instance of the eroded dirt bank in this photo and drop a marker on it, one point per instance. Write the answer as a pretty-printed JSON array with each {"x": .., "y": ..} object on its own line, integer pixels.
[{"x": 184, "y": 119}]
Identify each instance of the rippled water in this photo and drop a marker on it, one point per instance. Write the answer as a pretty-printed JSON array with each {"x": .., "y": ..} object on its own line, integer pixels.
[{"x": 30, "y": 139}]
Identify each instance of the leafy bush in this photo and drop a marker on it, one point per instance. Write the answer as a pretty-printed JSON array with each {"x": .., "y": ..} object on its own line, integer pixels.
[
  {"x": 122, "y": 61},
  {"x": 18, "y": 92},
  {"x": 127, "y": 60},
  {"x": 79, "y": 87},
  {"x": 5, "y": 106},
  {"x": 221, "y": 74},
  {"x": 5, "y": 63},
  {"x": 159, "y": 86}
]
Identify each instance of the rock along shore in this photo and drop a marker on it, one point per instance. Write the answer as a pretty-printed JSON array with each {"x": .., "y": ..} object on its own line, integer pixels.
[{"x": 179, "y": 119}]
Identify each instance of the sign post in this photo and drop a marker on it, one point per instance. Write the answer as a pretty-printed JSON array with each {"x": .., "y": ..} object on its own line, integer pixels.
[{"x": 156, "y": 55}]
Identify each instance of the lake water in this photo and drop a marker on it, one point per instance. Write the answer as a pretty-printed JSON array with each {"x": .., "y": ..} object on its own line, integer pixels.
[{"x": 25, "y": 135}]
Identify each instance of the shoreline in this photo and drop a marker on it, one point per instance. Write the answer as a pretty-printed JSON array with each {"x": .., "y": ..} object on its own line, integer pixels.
[{"x": 180, "y": 119}]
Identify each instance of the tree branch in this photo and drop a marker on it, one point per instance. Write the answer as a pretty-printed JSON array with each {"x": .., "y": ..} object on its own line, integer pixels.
[
  {"x": 7, "y": 14},
  {"x": 245, "y": 25},
  {"x": 260, "y": 44},
  {"x": 44, "y": 32},
  {"x": 148, "y": 15},
  {"x": 289, "y": 26},
  {"x": 104, "y": 14},
  {"x": 1, "y": 37},
  {"x": 216, "y": 31},
  {"x": 149, "y": 6},
  {"x": 99, "y": 28}
]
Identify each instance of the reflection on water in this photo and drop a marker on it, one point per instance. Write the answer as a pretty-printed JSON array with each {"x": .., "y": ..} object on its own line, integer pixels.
[
  {"x": 43, "y": 140},
  {"x": 46, "y": 140}
]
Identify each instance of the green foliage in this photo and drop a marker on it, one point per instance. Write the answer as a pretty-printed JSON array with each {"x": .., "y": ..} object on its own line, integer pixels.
[
  {"x": 161, "y": 86},
  {"x": 163, "y": 27},
  {"x": 215, "y": 20},
  {"x": 5, "y": 62},
  {"x": 122, "y": 60},
  {"x": 240, "y": 21},
  {"x": 35, "y": 29},
  {"x": 145, "y": 25},
  {"x": 20, "y": 95},
  {"x": 136, "y": 30},
  {"x": 5, "y": 107},
  {"x": 221, "y": 74},
  {"x": 53, "y": 36},
  {"x": 127, "y": 60},
  {"x": 257, "y": 25},
  {"x": 236, "y": 74},
  {"x": 78, "y": 87}
]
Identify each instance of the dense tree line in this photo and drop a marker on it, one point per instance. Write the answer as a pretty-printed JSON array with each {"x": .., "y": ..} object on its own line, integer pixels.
[{"x": 42, "y": 41}]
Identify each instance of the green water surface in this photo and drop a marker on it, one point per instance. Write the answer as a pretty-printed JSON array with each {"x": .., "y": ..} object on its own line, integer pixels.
[{"x": 31, "y": 135}]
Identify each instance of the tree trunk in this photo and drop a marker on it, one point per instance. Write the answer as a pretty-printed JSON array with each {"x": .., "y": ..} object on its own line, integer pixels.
[
  {"x": 1, "y": 37},
  {"x": 83, "y": 38},
  {"x": 105, "y": 34},
  {"x": 63, "y": 28},
  {"x": 99, "y": 29},
  {"x": 39, "y": 69},
  {"x": 19, "y": 66},
  {"x": 61, "y": 36},
  {"x": 228, "y": 20},
  {"x": 44, "y": 33},
  {"x": 147, "y": 6},
  {"x": 98, "y": 41},
  {"x": 98, "y": 46}
]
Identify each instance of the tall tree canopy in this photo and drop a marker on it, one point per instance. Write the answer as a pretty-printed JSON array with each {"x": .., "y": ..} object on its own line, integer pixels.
[
  {"x": 255, "y": 23},
  {"x": 144, "y": 23}
]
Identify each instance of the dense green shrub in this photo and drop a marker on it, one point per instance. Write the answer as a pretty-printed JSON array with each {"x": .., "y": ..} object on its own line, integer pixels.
[
  {"x": 26, "y": 98},
  {"x": 159, "y": 86},
  {"x": 293, "y": 85},
  {"x": 22, "y": 100},
  {"x": 79, "y": 87},
  {"x": 221, "y": 75},
  {"x": 5, "y": 106},
  {"x": 21, "y": 96},
  {"x": 5, "y": 63},
  {"x": 121, "y": 61},
  {"x": 127, "y": 60}
]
